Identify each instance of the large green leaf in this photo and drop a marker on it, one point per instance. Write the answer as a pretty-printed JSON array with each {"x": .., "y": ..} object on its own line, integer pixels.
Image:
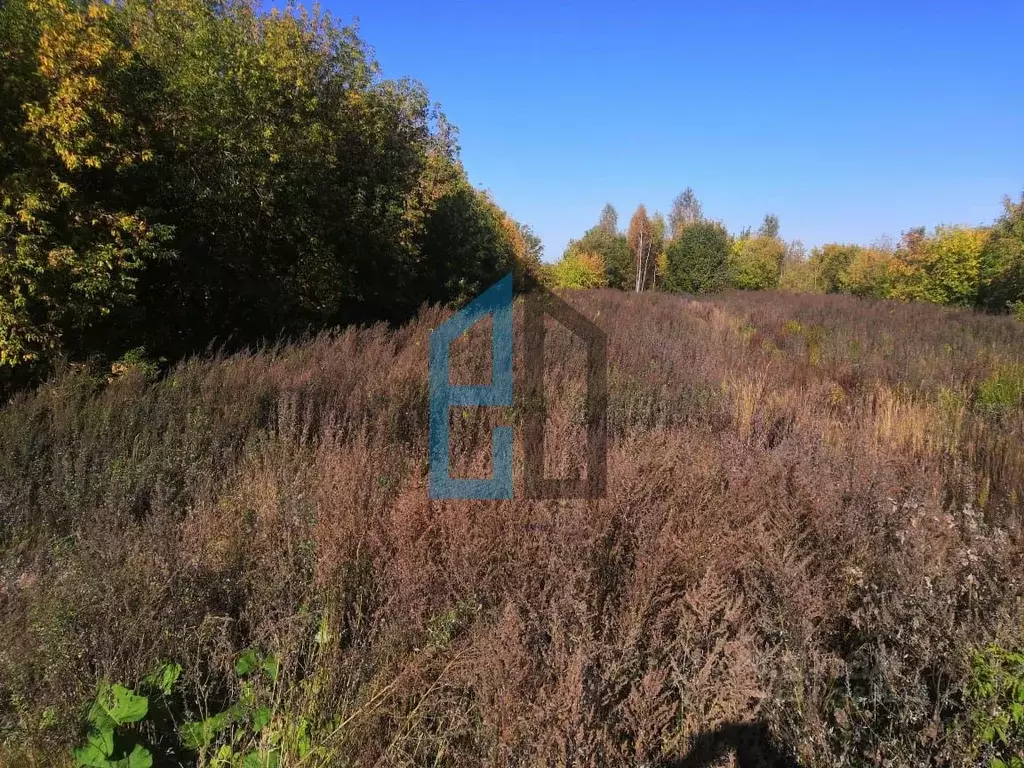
[
  {"x": 97, "y": 750},
  {"x": 140, "y": 757},
  {"x": 101, "y": 739},
  {"x": 116, "y": 705}
]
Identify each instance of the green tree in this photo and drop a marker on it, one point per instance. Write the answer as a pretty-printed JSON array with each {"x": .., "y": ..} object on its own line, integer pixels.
[
  {"x": 832, "y": 262},
  {"x": 943, "y": 268},
  {"x": 614, "y": 251},
  {"x": 755, "y": 263},
  {"x": 177, "y": 171},
  {"x": 697, "y": 261},
  {"x": 1001, "y": 267}
]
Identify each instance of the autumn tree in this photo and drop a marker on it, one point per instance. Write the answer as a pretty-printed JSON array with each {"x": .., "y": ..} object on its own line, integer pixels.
[
  {"x": 943, "y": 268},
  {"x": 532, "y": 243},
  {"x": 70, "y": 251},
  {"x": 614, "y": 251},
  {"x": 658, "y": 232},
  {"x": 176, "y": 172},
  {"x": 686, "y": 210},
  {"x": 642, "y": 245},
  {"x": 578, "y": 270},
  {"x": 832, "y": 262},
  {"x": 799, "y": 274},
  {"x": 870, "y": 273},
  {"x": 755, "y": 263},
  {"x": 609, "y": 221}
]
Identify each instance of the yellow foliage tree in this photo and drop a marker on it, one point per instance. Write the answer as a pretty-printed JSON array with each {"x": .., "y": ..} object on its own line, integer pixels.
[
  {"x": 944, "y": 268},
  {"x": 578, "y": 270},
  {"x": 65, "y": 259}
]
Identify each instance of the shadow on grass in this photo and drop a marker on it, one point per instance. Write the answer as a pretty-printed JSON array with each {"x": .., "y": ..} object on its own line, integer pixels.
[{"x": 750, "y": 743}]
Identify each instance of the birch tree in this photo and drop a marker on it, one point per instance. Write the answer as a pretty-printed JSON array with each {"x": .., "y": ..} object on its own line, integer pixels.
[{"x": 641, "y": 243}]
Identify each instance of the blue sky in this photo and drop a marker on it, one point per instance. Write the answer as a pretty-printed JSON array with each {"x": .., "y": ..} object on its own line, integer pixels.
[{"x": 848, "y": 123}]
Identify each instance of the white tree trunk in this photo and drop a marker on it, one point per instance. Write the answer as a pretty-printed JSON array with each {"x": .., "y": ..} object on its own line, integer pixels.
[{"x": 640, "y": 263}]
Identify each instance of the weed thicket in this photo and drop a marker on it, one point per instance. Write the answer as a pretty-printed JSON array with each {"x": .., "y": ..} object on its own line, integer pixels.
[{"x": 813, "y": 526}]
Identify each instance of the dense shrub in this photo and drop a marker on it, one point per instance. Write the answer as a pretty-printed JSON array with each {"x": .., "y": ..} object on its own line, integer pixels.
[
  {"x": 943, "y": 268},
  {"x": 1002, "y": 259},
  {"x": 870, "y": 273},
  {"x": 697, "y": 260},
  {"x": 577, "y": 270},
  {"x": 614, "y": 251},
  {"x": 755, "y": 263},
  {"x": 832, "y": 262}
]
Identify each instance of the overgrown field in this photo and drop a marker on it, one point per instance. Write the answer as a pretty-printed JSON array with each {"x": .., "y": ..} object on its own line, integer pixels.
[{"x": 810, "y": 551}]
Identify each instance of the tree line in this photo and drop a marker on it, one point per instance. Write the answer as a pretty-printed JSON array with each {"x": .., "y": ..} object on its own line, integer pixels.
[
  {"x": 981, "y": 267},
  {"x": 175, "y": 172}
]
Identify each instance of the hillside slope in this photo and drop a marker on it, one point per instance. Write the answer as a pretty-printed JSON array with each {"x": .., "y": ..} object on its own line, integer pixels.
[{"x": 813, "y": 518}]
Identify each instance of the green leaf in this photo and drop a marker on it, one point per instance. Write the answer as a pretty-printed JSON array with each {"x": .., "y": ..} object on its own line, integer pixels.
[
  {"x": 247, "y": 663},
  {"x": 92, "y": 757},
  {"x": 199, "y": 735},
  {"x": 117, "y": 705},
  {"x": 265, "y": 760},
  {"x": 1000, "y": 729},
  {"x": 140, "y": 758},
  {"x": 102, "y": 739},
  {"x": 303, "y": 738},
  {"x": 260, "y": 719}
]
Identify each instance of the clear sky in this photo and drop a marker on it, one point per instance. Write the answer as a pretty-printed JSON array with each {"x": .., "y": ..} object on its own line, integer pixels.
[{"x": 847, "y": 120}]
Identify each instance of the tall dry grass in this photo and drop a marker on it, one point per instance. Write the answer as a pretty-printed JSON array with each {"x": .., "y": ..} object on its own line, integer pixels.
[{"x": 813, "y": 514}]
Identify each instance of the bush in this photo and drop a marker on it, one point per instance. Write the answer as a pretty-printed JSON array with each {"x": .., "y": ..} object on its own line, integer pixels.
[
  {"x": 613, "y": 249},
  {"x": 870, "y": 274},
  {"x": 996, "y": 694},
  {"x": 697, "y": 261},
  {"x": 1002, "y": 259},
  {"x": 578, "y": 270},
  {"x": 943, "y": 268},
  {"x": 800, "y": 275},
  {"x": 1003, "y": 389},
  {"x": 755, "y": 263},
  {"x": 832, "y": 262}
]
